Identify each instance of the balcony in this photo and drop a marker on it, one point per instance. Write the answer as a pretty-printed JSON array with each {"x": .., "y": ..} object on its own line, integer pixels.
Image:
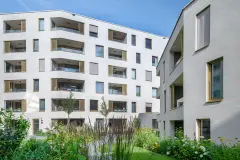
[
  {"x": 67, "y": 25},
  {"x": 15, "y": 46},
  {"x": 16, "y": 105},
  {"x": 177, "y": 93},
  {"x": 15, "y": 26},
  {"x": 67, "y": 65},
  {"x": 117, "y": 54},
  {"x": 15, "y": 66},
  {"x": 117, "y": 36},
  {"x": 66, "y": 45},
  {"x": 117, "y": 89},
  {"x": 117, "y": 106},
  {"x": 74, "y": 122},
  {"x": 119, "y": 72},
  {"x": 79, "y": 104},
  {"x": 15, "y": 86},
  {"x": 67, "y": 85}
]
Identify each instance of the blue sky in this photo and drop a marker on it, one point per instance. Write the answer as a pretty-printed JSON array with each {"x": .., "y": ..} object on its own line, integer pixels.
[{"x": 155, "y": 16}]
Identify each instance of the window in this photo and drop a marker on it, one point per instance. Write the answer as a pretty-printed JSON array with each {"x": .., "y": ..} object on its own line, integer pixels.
[
  {"x": 138, "y": 58},
  {"x": 41, "y": 24},
  {"x": 35, "y": 126},
  {"x": 134, "y": 40},
  {"x": 94, "y": 68},
  {"x": 154, "y": 61},
  {"x": 41, "y": 65},
  {"x": 215, "y": 80},
  {"x": 154, "y": 124},
  {"x": 148, "y": 43},
  {"x": 154, "y": 92},
  {"x": 99, "y": 123},
  {"x": 164, "y": 126},
  {"x": 165, "y": 102},
  {"x": 134, "y": 107},
  {"x": 93, "y": 31},
  {"x": 134, "y": 74},
  {"x": 99, "y": 87},
  {"x": 42, "y": 105},
  {"x": 35, "y": 45},
  {"x": 138, "y": 91},
  {"x": 36, "y": 85},
  {"x": 204, "y": 129},
  {"x": 93, "y": 105},
  {"x": 148, "y": 76},
  {"x": 99, "y": 51},
  {"x": 148, "y": 107},
  {"x": 203, "y": 28},
  {"x": 163, "y": 71}
]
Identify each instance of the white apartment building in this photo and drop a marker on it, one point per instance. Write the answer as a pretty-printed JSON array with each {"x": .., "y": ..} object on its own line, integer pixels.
[
  {"x": 45, "y": 55},
  {"x": 199, "y": 72}
]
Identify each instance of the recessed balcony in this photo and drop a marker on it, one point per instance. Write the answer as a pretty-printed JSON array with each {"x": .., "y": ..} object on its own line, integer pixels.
[
  {"x": 57, "y": 104},
  {"x": 14, "y": 26},
  {"x": 60, "y": 84},
  {"x": 15, "y": 46},
  {"x": 117, "y": 36},
  {"x": 74, "y": 122},
  {"x": 119, "y": 72},
  {"x": 15, "y": 86},
  {"x": 117, "y": 89},
  {"x": 67, "y": 65},
  {"x": 67, "y": 25},
  {"x": 15, "y": 105},
  {"x": 117, "y": 106},
  {"x": 66, "y": 45},
  {"x": 15, "y": 66},
  {"x": 177, "y": 93},
  {"x": 117, "y": 54}
]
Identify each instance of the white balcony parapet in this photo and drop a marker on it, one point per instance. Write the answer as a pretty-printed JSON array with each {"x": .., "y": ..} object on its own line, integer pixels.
[
  {"x": 113, "y": 57},
  {"x": 180, "y": 102},
  {"x": 66, "y": 29},
  {"x": 69, "y": 50},
  {"x": 119, "y": 75},
  {"x": 13, "y": 31},
  {"x": 65, "y": 69}
]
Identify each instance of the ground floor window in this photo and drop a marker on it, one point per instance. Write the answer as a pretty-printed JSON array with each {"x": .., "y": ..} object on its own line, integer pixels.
[
  {"x": 204, "y": 129},
  {"x": 35, "y": 126}
]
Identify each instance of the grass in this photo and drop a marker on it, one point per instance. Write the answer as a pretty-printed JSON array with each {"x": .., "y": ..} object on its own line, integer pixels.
[{"x": 143, "y": 154}]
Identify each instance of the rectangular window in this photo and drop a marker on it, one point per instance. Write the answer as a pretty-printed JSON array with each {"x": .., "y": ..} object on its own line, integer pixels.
[
  {"x": 93, "y": 105},
  {"x": 164, "y": 71},
  {"x": 148, "y": 43},
  {"x": 215, "y": 80},
  {"x": 138, "y": 58},
  {"x": 134, "y": 40},
  {"x": 165, "y": 102},
  {"x": 35, "y": 45},
  {"x": 42, "y": 105},
  {"x": 134, "y": 74},
  {"x": 35, "y": 126},
  {"x": 154, "y": 124},
  {"x": 148, "y": 76},
  {"x": 41, "y": 24},
  {"x": 138, "y": 91},
  {"x": 154, "y": 92},
  {"x": 41, "y": 65},
  {"x": 134, "y": 110},
  {"x": 99, "y": 87},
  {"x": 204, "y": 129},
  {"x": 94, "y": 68},
  {"x": 203, "y": 28},
  {"x": 148, "y": 107},
  {"x": 93, "y": 31},
  {"x": 164, "y": 126},
  {"x": 154, "y": 61},
  {"x": 99, "y": 51},
  {"x": 36, "y": 85}
]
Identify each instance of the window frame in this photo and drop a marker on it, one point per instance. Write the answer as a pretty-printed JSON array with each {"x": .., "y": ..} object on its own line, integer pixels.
[
  {"x": 93, "y": 34},
  {"x": 34, "y": 85},
  {"x": 138, "y": 95},
  {"x": 42, "y": 110},
  {"x": 134, "y": 107},
  {"x": 155, "y": 58},
  {"x": 199, "y": 128},
  {"x": 102, "y": 51},
  {"x": 146, "y": 46},
  {"x": 93, "y": 110},
  {"x": 139, "y": 58},
  {"x": 146, "y": 106},
  {"x": 146, "y": 73},
  {"x": 39, "y": 25},
  {"x": 98, "y": 82},
  {"x": 154, "y": 88},
  {"x": 135, "y": 71},
  {"x": 34, "y": 50},
  {"x": 40, "y": 65},
  {"x": 90, "y": 68},
  {"x": 133, "y": 40}
]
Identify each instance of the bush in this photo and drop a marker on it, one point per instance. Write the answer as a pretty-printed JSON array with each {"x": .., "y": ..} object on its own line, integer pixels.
[
  {"x": 146, "y": 138},
  {"x": 12, "y": 131}
]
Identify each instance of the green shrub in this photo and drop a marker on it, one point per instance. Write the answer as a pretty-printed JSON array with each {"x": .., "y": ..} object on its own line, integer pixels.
[{"x": 146, "y": 138}]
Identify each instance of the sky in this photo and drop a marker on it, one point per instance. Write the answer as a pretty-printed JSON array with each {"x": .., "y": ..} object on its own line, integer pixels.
[{"x": 155, "y": 16}]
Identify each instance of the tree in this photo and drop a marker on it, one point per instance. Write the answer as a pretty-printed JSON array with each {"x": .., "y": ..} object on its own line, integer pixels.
[
  {"x": 104, "y": 108},
  {"x": 68, "y": 106}
]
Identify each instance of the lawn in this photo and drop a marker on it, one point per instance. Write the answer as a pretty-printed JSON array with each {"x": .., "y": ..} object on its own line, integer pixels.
[{"x": 143, "y": 154}]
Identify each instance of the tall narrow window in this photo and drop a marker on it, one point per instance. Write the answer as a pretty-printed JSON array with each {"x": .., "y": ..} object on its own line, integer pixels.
[
  {"x": 154, "y": 124},
  {"x": 215, "y": 80},
  {"x": 203, "y": 28},
  {"x": 99, "y": 87},
  {"x": 42, "y": 105},
  {"x": 164, "y": 126},
  {"x": 35, "y": 45},
  {"x": 154, "y": 61},
  {"x": 165, "y": 102},
  {"x": 164, "y": 71},
  {"x": 41, "y": 65},
  {"x": 41, "y": 24},
  {"x": 93, "y": 31},
  {"x": 134, "y": 74},
  {"x": 148, "y": 43},
  {"x": 93, "y": 105},
  {"x": 148, "y": 76},
  {"x": 94, "y": 68},
  {"x": 99, "y": 51},
  {"x": 154, "y": 92},
  {"x": 204, "y": 128},
  {"x": 36, "y": 85},
  {"x": 148, "y": 107},
  {"x": 35, "y": 126},
  {"x": 134, "y": 107},
  {"x": 138, "y": 91},
  {"x": 134, "y": 40},
  {"x": 138, "y": 58}
]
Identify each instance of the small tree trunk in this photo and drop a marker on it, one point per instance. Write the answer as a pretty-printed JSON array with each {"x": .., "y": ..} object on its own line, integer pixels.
[{"x": 68, "y": 123}]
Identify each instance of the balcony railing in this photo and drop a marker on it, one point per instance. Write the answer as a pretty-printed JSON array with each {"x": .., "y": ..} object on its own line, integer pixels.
[
  {"x": 66, "y": 29},
  {"x": 113, "y": 57},
  {"x": 120, "y": 110},
  {"x": 119, "y": 75},
  {"x": 65, "y": 69},
  {"x": 13, "y": 31},
  {"x": 18, "y": 90},
  {"x": 111, "y": 91},
  {"x": 69, "y": 50},
  {"x": 13, "y": 70},
  {"x": 69, "y": 89},
  {"x": 9, "y": 108},
  {"x": 18, "y": 50}
]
